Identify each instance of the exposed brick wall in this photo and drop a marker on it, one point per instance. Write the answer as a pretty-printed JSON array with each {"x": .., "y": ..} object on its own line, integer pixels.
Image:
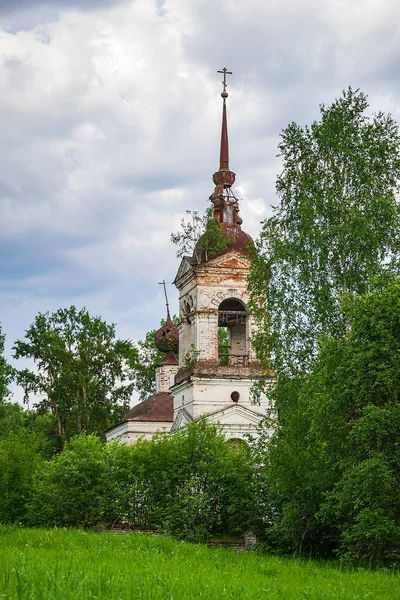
[
  {"x": 163, "y": 377},
  {"x": 202, "y": 290},
  {"x": 203, "y": 386}
]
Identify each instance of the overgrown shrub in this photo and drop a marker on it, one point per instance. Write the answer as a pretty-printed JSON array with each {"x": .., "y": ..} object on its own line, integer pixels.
[
  {"x": 193, "y": 484},
  {"x": 72, "y": 488}
]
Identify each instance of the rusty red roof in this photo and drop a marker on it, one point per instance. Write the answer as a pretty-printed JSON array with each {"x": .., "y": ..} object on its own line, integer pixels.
[
  {"x": 167, "y": 337},
  {"x": 239, "y": 239},
  {"x": 170, "y": 359},
  {"x": 159, "y": 407}
]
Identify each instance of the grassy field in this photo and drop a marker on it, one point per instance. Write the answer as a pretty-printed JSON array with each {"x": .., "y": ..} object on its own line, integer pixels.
[{"x": 59, "y": 564}]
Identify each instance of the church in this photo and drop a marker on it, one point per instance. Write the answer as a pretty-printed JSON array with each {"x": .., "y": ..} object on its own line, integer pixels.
[{"x": 195, "y": 380}]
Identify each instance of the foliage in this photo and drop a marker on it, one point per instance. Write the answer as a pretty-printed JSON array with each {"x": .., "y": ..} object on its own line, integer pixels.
[
  {"x": 6, "y": 372},
  {"x": 14, "y": 418},
  {"x": 332, "y": 467},
  {"x": 190, "y": 233},
  {"x": 337, "y": 225},
  {"x": 20, "y": 457},
  {"x": 82, "y": 370},
  {"x": 80, "y": 565},
  {"x": 201, "y": 236},
  {"x": 212, "y": 242},
  {"x": 144, "y": 364},
  {"x": 192, "y": 484},
  {"x": 73, "y": 488},
  {"x": 223, "y": 346}
]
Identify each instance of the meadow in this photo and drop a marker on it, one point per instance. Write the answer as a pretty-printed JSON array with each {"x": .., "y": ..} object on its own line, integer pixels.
[{"x": 61, "y": 564}]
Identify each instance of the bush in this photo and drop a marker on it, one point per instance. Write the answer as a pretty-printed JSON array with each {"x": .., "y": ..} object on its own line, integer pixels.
[
  {"x": 72, "y": 489},
  {"x": 192, "y": 484}
]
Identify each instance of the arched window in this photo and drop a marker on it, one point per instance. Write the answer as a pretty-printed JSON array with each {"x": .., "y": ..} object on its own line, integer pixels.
[{"x": 232, "y": 339}]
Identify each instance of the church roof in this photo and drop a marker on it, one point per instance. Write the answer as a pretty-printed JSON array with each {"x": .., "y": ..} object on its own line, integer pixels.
[
  {"x": 159, "y": 407},
  {"x": 166, "y": 338},
  {"x": 240, "y": 240},
  {"x": 170, "y": 359}
]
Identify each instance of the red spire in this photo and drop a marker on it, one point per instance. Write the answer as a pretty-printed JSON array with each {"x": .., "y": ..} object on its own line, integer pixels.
[
  {"x": 224, "y": 177},
  {"x": 225, "y": 202},
  {"x": 224, "y": 156}
]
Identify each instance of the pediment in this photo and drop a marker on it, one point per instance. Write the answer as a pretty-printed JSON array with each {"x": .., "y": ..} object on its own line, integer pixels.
[
  {"x": 235, "y": 415},
  {"x": 185, "y": 268},
  {"x": 230, "y": 261},
  {"x": 181, "y": 420}
]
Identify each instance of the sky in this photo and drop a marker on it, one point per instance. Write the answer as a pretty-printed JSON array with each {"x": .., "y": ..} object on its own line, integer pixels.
[{"x": 110, "y": 115}]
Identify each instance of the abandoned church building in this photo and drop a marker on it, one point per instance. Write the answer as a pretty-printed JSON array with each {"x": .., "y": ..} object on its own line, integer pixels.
[{"x": 194, "y": 379}]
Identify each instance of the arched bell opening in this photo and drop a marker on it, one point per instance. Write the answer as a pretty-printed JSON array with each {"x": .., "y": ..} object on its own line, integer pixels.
[{"x": 232, "y": 338}]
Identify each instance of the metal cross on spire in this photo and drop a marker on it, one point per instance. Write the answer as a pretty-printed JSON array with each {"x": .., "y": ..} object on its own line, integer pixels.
[
  {"x": 166, "y": 297},
  {"x": 225, "y": 72}
]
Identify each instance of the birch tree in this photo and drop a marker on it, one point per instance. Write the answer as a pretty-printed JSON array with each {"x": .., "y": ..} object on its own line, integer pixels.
[{"x": 335, "y": 227}]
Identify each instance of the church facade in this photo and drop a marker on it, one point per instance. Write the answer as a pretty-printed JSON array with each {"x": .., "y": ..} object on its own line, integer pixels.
[{"x": 198, "y": 377}]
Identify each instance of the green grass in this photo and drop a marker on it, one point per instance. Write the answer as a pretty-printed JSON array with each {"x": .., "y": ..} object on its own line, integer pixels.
[{"x": 60, "y": 564}]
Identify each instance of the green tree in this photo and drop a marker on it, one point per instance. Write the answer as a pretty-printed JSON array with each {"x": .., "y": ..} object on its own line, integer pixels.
[
  {"x": 336, "y": 226},
  {"x": 193, "y": 484},
  {"x": 201, "y": 236},
  {"x": 357, "y": 417},
  {"x": 6, "y": 372},
  {"x": 14, "y": 418},
  {"x": 332, "y": 468},
  {"x": 144, "y": 364},
  {"x": 20, "y": 457},
  {"x": 83, "y": 372}
]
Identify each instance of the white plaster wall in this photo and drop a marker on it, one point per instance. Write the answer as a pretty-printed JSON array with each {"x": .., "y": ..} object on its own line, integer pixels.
[
  {"x": 200, "y": 396},
  {"x": 183, "y": 397},
  {"x": 187, "y": 339},
  {"x": 117, "y": 433},
  {"x": 239, "y": 431},
  {"x": 130, "y": 431},
  {"x": 210, "y": 395}
]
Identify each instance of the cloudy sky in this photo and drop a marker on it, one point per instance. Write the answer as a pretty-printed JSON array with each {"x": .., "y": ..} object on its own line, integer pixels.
[{"x": 109, "y": 130}]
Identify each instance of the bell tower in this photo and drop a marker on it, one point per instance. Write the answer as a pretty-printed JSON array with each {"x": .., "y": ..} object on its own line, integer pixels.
[{"x": 217, "y": 364}]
